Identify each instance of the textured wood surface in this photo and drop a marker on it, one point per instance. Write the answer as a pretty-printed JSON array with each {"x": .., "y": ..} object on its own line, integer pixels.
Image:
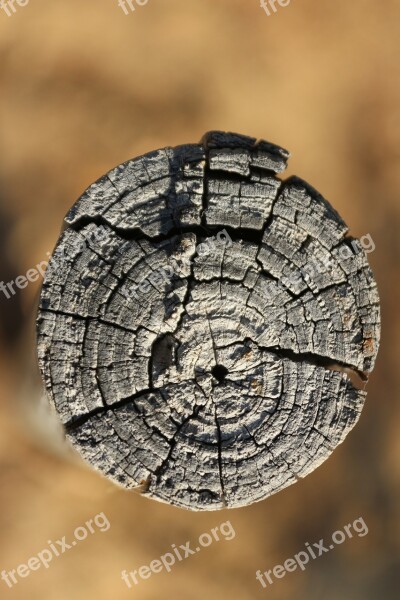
[{"x": 222, "y": 378}]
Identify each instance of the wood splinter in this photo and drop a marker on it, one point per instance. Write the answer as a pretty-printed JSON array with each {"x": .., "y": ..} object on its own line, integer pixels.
[{"x": 224, "y": 378}]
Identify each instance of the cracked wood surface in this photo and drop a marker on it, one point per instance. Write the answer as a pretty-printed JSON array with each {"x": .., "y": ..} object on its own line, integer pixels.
[{"x": 225, "y": 382}]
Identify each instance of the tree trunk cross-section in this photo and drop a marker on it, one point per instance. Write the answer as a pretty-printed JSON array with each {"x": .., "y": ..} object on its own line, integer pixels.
[{"x": 212, "y": 379}]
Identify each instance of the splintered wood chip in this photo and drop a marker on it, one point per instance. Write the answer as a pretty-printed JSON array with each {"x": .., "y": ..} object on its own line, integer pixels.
[{"x": 203, "y": 324}]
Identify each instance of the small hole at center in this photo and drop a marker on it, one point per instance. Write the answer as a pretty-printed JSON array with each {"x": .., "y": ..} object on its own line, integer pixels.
[{"x": 219, "y": 372}]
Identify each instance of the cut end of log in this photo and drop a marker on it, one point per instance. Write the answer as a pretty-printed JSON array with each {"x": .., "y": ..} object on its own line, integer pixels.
[{"x": 200, "y": 321}]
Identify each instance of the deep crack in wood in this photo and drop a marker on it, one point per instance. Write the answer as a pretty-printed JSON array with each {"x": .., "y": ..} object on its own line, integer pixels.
[{"x": 225, "y": 381}]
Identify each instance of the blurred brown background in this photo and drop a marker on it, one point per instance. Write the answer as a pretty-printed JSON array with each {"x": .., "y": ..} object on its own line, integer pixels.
[{"x": 85, "y": 87}]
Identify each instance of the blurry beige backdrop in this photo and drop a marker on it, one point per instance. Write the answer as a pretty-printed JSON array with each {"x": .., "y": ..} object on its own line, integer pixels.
[{"x": 85, "y": 87}]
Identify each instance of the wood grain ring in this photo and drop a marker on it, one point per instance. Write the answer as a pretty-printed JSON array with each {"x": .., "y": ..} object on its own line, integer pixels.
[{"x": 223, "y": 377}]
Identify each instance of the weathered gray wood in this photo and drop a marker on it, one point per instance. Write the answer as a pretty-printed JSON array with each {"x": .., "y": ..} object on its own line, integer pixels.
[{"x": 223, "y": 383}]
